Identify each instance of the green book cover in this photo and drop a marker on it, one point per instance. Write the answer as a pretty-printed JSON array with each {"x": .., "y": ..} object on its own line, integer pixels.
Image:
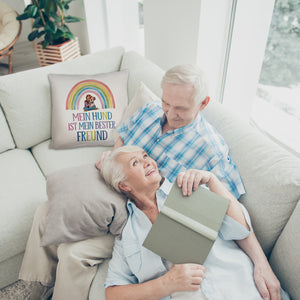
[{"x": 187, "y": 226}]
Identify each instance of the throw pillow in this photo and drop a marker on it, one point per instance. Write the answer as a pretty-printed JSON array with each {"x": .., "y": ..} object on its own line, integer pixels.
[
  {"x": 81, "y": 206},
  {"x": 142, "y": 96},
  {"x": 87, "y": 108}
]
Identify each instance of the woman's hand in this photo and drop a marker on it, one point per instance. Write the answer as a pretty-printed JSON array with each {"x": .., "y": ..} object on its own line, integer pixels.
[
  {"x": 102, "y": 157},
  {"x": 183, "y": 277},
  {"x": 189, "y": 180},
  {"x": 266, "y": 282}
]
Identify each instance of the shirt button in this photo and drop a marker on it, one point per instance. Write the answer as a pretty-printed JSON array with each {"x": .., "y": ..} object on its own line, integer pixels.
[{"x": 157, "y": 140}]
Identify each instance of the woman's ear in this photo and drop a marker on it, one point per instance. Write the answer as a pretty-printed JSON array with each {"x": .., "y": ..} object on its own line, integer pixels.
[{"x": 124, "y": 187}]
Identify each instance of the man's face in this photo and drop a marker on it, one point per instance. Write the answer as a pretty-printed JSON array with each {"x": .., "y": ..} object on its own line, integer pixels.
[
  {"x": 179, "y": 105},
  {"x": 140, "y": 170}
]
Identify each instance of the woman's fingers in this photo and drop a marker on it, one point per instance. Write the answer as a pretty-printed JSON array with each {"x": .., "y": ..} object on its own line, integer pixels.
[{"x": 189, "y": 181}]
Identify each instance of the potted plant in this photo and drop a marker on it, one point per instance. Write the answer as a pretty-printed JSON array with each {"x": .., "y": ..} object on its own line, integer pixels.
[{"x": 49, "y": 25}]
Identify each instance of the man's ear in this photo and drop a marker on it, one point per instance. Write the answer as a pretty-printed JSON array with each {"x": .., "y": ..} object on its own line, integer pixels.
[
  {"x": 204, "y": 103},
  {"x": 124, "y": 187}
]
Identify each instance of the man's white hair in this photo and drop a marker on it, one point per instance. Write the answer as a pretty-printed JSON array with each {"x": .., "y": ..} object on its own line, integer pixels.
[
  {"x": 111, "y": 170},
  {"x": 188, "y": 74}
]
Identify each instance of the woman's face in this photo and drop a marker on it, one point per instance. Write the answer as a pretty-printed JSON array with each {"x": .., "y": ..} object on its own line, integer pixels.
[{"x": 140, "y": 170}]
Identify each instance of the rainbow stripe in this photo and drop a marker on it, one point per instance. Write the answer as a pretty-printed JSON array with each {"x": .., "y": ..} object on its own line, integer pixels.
[{"x": 93, "y": 87}]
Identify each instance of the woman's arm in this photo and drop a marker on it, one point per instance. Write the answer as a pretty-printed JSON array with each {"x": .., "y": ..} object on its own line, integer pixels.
[
  {"x": 184, "y": 277},
  {"x": 264, "y": 277},
  {"x": 191, "y": 179}
]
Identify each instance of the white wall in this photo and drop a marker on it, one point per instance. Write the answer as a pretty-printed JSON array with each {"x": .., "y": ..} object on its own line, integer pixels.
[
  {"x": 171, "y": 31},
  {"x": 95, "y": 31},
  {"x": 123, "y": 23}
]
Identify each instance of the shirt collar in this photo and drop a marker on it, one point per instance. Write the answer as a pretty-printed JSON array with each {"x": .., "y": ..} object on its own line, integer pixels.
[
  {"x": 186, "y": 128},
  {"x": 161, "y": 195}
]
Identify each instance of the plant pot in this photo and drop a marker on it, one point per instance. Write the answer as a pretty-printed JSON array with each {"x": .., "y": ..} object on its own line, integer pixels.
[{"x": 57, "y": 53}]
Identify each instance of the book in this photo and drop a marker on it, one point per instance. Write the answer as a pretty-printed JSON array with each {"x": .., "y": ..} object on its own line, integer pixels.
[{"x": 187, "y": 226}]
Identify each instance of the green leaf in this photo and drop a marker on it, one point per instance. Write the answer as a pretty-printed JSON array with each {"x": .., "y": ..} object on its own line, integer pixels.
[
  {"x": 56, "y": 17},
  {"x": 45, "y": 44},
  {"x": 70, "y": 35},
  {"x": 32, "y": 11},
  {"x": 27, "y": 8},
  {"x": 37, "y": 23},
  {"x": 60, "y": 5},
  {"x": 50, "y": 6},
  {"x": 71, "y": 19},
  {"x": 49, "y": 37},
  {"x": 42, "y": 4},
  {"x": 33, "y": 35},
  {"x": 23, "y": 16},
  {"x": 64, "y": 28},
  {"x": 51, "y": 27},
  {"x": 41, "y": 33}
]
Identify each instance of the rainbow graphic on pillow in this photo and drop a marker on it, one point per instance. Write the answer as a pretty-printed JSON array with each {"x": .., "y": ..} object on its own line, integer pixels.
[{"x": 93, "y": 87}]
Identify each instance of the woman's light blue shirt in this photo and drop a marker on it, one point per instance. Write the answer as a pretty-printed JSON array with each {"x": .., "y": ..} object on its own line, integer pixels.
[{"x": 229, "y": 271}]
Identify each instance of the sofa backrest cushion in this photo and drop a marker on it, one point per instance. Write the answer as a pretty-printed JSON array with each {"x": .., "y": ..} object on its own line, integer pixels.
[
  {"x": 25, "y": 96},
  {"x": 141, "y": 69},
  {"x": 6, "y": 141},
  {"x": 270, "y": 174}
]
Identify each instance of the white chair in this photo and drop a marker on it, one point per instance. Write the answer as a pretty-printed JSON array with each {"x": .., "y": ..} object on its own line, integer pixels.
[{"x": 10, "y": 29}]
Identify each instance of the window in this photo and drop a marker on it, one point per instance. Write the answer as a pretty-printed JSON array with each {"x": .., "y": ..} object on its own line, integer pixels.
[{"x": 276, "y": 109}]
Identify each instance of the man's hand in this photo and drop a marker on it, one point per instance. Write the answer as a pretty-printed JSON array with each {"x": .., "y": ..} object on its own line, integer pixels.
[
  {"x": 102, "y": 157},
  {"x": 266, "y": 282},
  {"x": 189, "y": 180},
  {"x": 183, "y": 277}
]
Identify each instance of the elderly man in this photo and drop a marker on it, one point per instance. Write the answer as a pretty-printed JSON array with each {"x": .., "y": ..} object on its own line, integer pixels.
[
  {"x": 176, "y": 135},
  {"x": 141, "y": 274}
]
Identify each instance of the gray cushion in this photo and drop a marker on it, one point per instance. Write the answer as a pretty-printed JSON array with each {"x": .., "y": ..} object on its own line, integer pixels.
[{"x": 81, "y": 206}]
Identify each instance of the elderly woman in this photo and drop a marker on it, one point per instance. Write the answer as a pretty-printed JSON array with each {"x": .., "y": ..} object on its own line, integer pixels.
[{"x": 137, "y": 273}]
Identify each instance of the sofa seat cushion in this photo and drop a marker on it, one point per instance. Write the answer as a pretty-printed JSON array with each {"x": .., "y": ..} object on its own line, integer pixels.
[
  {"x": 6, "y": 141},
  {"x": 51, "y": 160},
  {"x": 28, "y": 107},
  {"x": 270, "y": 174},
  {"x": 22, "y": 188}
]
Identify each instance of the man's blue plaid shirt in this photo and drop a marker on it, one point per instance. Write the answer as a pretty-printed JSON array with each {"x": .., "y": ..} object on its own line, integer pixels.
[{"x": 195, "y": 146}]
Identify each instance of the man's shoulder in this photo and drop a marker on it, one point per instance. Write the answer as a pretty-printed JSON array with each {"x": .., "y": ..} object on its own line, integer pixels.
[
  {"x": 150, "y": 109},
  {"x": 152, "y": 105},
  {"x": 209, "y": 135}
]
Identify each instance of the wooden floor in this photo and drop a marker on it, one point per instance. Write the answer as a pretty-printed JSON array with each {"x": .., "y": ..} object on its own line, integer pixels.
[{"x": 23, "y": 58}]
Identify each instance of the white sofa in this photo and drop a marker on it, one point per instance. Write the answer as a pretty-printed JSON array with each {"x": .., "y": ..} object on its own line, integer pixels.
[{"x": 270, "y": 174}]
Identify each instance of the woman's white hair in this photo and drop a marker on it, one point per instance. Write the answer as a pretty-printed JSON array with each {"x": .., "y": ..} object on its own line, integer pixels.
[
  {"x": 111, "y": 170},
  {"x": 188, "y": 74}
]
